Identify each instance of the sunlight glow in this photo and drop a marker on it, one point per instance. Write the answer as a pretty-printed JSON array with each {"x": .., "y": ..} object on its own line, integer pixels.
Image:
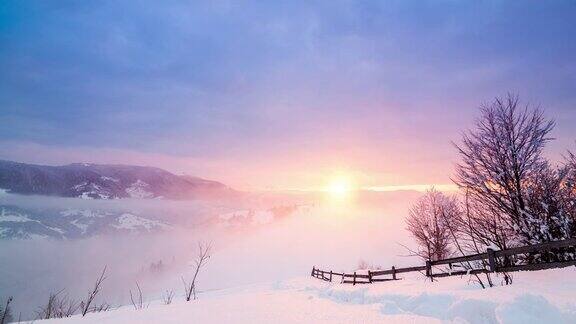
[{"x": 340, "y": 187}]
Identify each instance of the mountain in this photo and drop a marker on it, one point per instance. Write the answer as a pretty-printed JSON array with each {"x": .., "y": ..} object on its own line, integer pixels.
[
  {"x": 69, "y": 223},
  {"x": 101, "y": 181},
  {"x": 90, "y": 218}
]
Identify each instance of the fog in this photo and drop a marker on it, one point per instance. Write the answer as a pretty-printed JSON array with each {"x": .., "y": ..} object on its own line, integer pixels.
[{"x": 334, "y": 235}]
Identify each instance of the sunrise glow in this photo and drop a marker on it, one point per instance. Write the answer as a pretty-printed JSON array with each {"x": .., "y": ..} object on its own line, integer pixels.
[
  {"x": 280, "y": 161},
  {"x": 340, "y": 187}
]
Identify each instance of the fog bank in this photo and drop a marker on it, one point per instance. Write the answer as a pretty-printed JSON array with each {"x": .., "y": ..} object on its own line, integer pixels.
[{"x": 319, "y": 232}]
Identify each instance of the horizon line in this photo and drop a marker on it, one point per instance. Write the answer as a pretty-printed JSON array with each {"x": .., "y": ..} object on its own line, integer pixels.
[{"x": 389, "y": 188}]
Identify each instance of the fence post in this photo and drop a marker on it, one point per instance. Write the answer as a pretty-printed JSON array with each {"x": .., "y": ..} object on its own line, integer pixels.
[
  {"x": 313, "y": 270},
  {"x": 492, "y": 260},
  {"x": 393, "y": 273},
  {"x": 330, "y": 275},
  {"x": 354, "y": 280},
  {"x": 429, "y": 270},
  {"x": 369, "y": 276}
]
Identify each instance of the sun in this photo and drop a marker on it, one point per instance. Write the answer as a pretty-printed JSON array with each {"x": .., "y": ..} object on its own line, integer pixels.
[{"x": 340, "y": 187}]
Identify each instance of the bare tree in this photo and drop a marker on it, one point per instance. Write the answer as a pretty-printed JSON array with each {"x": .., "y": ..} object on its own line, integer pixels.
[
  {"x": 499, "y": 159},
  {"x": 137, "y": 300},
  {"x": 85, "y": 305},
  {"x": 427, "y": 223},
  {"x": 473, "y": 231},
  {"x": 463, "y": 241},
  {"x": 167, "y": 297},
  {"x": 201, "y": 259},
  {"x": 5, "y": 314}
]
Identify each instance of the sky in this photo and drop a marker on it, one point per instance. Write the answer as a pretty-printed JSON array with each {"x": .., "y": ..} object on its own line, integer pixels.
[{"x": 276, "y": 95}]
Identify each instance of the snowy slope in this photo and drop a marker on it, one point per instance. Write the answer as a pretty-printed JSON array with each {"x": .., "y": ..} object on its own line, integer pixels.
[{"x": 535, "y": 297}]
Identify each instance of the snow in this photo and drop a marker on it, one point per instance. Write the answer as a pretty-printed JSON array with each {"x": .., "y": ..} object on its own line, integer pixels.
[
  {"x": 56, "y": 229},
  {"x": 84, "y": 217},
  {"x": 36, "y": 236},
  {"x": 138, "y": 190},
  {"x": 109, "y": 179},
  {"x": 88, "y": 213},
  {"x": 22, "y": 234},
  {"x": 85, "y": 195},
  {"x": 80, "y": 186},
  {"x": 89, "y": 190},
  {"x": 452, "y": 300},
  {"x": 535, "y": 297},
  {"x": 6, "y": 217},
  {"x": 133, "y": 222},
  {"x": 252, "y": 306},
  {"x": 82, "y": 224}
]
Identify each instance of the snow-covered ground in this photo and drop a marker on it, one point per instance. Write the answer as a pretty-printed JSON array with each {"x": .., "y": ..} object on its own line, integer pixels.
[{"x": 535, "y": 297}]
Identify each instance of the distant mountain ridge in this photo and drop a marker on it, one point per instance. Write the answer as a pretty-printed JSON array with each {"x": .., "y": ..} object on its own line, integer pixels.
[
  {"x": 69, "y": 223},
  {"x": 105, "y": 181}
]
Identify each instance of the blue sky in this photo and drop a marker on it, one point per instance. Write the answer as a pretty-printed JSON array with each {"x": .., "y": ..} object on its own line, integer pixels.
[{"x": 272, "y": 94}]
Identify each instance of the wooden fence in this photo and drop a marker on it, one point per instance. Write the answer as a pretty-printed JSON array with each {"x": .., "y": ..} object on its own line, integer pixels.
[{"x": 492, "y": 261}]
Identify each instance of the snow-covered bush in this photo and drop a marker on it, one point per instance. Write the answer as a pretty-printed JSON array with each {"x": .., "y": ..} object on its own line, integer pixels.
[
  {"x": 547, "y": 212},
  {"x": 569, "y": 186}
]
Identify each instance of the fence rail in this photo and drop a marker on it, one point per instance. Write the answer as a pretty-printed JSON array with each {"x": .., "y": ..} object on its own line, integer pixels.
[{"x": 492, "y": 261}]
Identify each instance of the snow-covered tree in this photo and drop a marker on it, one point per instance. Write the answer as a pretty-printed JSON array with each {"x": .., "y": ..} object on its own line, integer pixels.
[
  {"x": 548, "y": 206},
  {"x": 569, "y": 189},
  {"x": 501, "y": 159}
]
